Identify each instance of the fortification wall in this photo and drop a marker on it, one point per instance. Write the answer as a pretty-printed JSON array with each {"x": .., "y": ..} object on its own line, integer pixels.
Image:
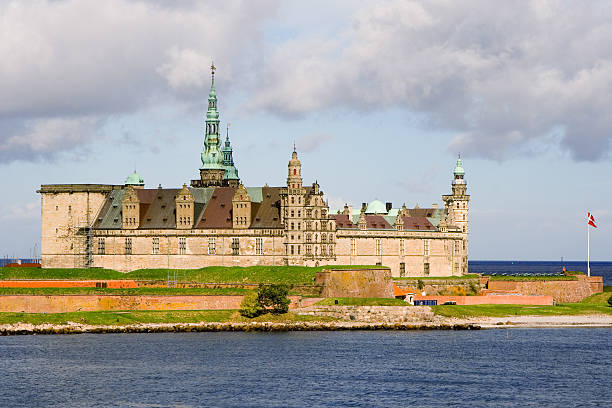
[
  {"x": 444, "y": 287},
  {"x": 361, "y": 283},
  {"x": 562, "y": 291},
  {"x": 74, "y": 303},
  {"x": 491, "y": 300},
  {"x": 111, "y": 284}
]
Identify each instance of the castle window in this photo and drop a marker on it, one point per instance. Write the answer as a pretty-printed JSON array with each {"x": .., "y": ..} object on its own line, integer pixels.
[
  {"x": 235, "y": 246},
  {"x": 353, "y": 247},
  {"x": 401, "y": 247},
  {"x": 308, "y": 237},
  {"x": 299, "y": 200},
  {"x": 323, "y": 250},
  {"x": 463, "y": 217},
  {"x": 299, "y": 247},
  {"x": 212, "y": 247},
  {"x": 294, "y": 172},
  {"x": 292, "y": 250},
  {"x": 464, "y": 229},
  {"x": 259, "y": 246},
  {"x": 331, "y": 250},
  {"x": 155, "y": 246},
  {"x": 56, "y": 207},
  {"x": 128, "y": 246},
  {"x": 182, "y": 245},
  {"x": 378, "y": 247},
  {"x": 323, "y": 237},
  {"x": 292, "y": 225},
  {"x": 464, "y": 245},
  {"x": 426, "y": 247},
  {"x": 292, "y": 213},
  {"x": 308, "y": 249},
  {"x": 426, "y": 269},
  {"x": 69, "y": 208},
  {"x": 292, "y": 200},
  {"x": 323, "y": 213},
  {"x": 308, "y": 213},
  {"x": 299, "y": 225},
  {"x": 299, "y": 214},
  {"x": 101, "y": 246}
]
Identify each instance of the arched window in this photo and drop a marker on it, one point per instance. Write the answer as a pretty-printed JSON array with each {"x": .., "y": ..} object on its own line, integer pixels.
[{"x": 294, "y": 172}]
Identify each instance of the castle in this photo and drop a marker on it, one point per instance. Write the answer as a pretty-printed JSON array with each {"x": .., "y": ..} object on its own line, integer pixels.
[{"x": 219, "y": 221}]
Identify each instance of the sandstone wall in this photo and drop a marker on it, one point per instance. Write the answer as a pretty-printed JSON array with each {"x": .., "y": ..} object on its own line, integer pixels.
[
  {"x": 446, "y": 287},
  {"x": 74, "y": 303},
  {"x": 374, "y": 314},
  {"x": 562, "y": 290},
  {"x": 361, "y": 283},
  {"x": 112, "y": 284}
]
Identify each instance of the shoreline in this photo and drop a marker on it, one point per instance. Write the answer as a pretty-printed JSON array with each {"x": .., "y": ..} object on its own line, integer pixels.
[{"x": 438, "y": 323}]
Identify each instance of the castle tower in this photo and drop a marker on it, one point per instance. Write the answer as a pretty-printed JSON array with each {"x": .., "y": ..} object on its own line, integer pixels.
[
  {"x": 292, "y": 211},
  {"x": 184, "y": 201},
  {"x": 294, "y": 178},
  {"x": 231, "y": 173},
  {"x": 212, "y": 172},
  {"x": 135, "y": 180},
  {"x": 457, "y": 209}
]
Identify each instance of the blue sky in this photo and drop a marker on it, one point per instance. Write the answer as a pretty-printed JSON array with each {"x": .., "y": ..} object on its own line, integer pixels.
[{"x": 378, "y": 96}]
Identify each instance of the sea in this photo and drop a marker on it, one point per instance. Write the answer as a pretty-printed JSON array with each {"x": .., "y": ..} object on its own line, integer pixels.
[
  {"x": 567, "y": 367},
  {"x": 598, "y": 268}
]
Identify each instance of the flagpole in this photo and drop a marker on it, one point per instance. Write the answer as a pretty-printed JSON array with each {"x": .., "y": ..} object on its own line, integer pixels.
[{"x": 588, "y": 250}]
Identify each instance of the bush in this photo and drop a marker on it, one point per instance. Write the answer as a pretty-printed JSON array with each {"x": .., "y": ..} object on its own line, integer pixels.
[
  {"x": 274, "y": 298},
  {"x": 250, "y": 306},
  {"x": 420, "y": 284},
  {"x": 610, "y": 300}
]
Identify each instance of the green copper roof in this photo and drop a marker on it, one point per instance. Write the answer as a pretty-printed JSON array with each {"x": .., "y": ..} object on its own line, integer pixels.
[
  {"x": 376, "y": 207},
  {"x": 459, "y": 168},
  {"x": 134, "y": 179}
]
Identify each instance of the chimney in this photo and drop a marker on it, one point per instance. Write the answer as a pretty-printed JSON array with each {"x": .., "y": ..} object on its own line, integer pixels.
[{"x": 389, "y": 206}]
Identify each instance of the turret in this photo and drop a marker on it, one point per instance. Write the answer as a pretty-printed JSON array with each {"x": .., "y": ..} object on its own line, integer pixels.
[
  {"x": 134, "y": 180},
  {"x": 184, "y": 201},
  {"x": 294, "y": 178},
  {"x": 231, "y": 173}
]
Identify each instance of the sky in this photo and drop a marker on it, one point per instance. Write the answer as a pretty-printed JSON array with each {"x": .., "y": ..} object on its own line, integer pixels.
[{"x": 379, "y": 97}]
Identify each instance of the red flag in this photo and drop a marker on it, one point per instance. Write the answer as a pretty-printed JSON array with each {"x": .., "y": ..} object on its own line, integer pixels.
[{"x": 591, "y": 220}]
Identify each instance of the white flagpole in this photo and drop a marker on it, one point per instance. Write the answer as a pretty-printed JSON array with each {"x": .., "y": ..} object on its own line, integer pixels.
[{"x": 588, "y": 249}]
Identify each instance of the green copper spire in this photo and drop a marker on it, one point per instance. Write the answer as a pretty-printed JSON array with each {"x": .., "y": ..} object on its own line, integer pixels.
[
  {"x": 134, "y": 179},
  {"x": 231, "y": 173},
  {"x": 211, "y": 155},
  {"x": 459, "y": 168}
]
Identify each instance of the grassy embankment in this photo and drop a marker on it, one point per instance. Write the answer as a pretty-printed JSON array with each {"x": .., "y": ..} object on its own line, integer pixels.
[
  {"x": 133, "y": 317},
  {"x": 125, "y": 291},
  {"x": 595, "y": 304},
  {"x": 291, "y": 275}
]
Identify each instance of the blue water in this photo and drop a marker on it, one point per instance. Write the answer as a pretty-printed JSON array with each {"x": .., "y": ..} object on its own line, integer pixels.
[
  {"x": 518, "y": 267},
  {"x": 496, "y": 368}
]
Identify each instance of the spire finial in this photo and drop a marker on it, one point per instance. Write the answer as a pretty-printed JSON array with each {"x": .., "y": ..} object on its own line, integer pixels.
[
  {"x": 212, "y": 70},
  {"x": 294, "y": 149},
  {"x": 227, "y": 130}
]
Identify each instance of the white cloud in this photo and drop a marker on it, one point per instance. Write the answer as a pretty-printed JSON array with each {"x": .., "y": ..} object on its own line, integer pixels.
[
  {"x": 23, "y": 211},
  {"x": 499, "y": 74},
  {"x": 313, "y": 141}
]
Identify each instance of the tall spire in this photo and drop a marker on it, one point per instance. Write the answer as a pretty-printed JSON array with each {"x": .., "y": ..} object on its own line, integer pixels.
[{"x": 211, "y": 155}]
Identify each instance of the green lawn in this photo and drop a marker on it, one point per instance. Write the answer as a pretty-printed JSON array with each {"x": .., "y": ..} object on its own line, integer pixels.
[
  {"x": 595, "y": 304},
  {"x": 291, "y": 275},
  {"x": 132, "y": 317},
  {"x": 362, "y": 302},
  {"x": 126, "y": 291}
]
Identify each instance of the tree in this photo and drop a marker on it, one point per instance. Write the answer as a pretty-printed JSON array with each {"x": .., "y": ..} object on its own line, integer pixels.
[
  {"x": 274, "y": 298},
  {"x": 250, "y": 306},
  {"x": 610, "y": 300}
]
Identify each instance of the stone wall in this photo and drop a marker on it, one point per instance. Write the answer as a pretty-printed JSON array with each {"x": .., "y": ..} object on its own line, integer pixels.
[
  {"x": 74, "y": 303},
  {"x": 491, "y": 300},
  {"x": 562, "y": 291},
  {"x": 375, "y": 314},
  {"x": 111, "y": 284},
  {"x": 362, "y": 283},
  {"x": 445, "y": 287}
]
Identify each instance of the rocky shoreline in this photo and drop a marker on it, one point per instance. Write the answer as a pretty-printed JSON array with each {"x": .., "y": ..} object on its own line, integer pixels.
[{"x": 77, "y": 328}]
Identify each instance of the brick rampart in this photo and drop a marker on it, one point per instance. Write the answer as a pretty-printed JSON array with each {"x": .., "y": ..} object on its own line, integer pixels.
[
  {"x": 74, "y": 303},
  {"x": 112, "y": 284},
  {"x": 563, "y": 291},
  {"x": 491, "y": 300}
]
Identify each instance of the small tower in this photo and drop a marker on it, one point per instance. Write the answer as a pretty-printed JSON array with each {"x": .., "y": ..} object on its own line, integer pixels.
[
  {"x": 184, "y": 208},
  {"x": 135, "y": 180},
  {"x": 241, "y": 208},
  {"x": 294, "y": 178},
  {"x": 231, "y": 173},
  {"x": 130, "y": 209},
  {"x": 362, "y": 222}
]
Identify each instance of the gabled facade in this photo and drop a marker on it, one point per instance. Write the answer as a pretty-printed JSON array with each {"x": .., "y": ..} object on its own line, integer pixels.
[{"x": 219, "y": 221}]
